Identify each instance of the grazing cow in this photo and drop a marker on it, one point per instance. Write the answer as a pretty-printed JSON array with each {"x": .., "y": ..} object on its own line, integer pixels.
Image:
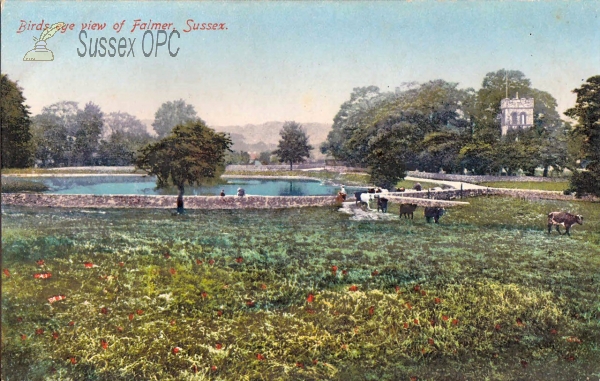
[
  {"x": 407, "y": 209},
  {"x": 433, "y": 212},
  {"x": 565, "y": 219},
  {"x": 382, "y": 204}
]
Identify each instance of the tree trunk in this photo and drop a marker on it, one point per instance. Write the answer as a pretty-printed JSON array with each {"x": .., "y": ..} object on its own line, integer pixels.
[
  {"x": 545, "y": 171},
  {"x": 290, "y": 165},
  {"x": 180, "y": 200}
]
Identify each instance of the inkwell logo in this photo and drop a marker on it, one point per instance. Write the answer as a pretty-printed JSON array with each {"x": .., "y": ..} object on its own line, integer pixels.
[{"x": 40, "y": 52}]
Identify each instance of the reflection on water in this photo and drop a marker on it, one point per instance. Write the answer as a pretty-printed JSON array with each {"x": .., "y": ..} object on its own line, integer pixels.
[{"x": 144, "y": 185}]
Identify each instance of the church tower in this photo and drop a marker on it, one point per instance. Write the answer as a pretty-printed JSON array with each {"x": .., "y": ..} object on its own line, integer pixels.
[{"x": 516, "y": 113}]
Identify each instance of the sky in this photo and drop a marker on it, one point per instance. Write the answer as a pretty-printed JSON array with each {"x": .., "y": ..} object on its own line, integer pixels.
[{"x": 300, "y": 60}]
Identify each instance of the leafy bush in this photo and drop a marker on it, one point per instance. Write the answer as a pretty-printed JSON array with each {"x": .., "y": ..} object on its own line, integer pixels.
[{"x": 10, "y": 185}]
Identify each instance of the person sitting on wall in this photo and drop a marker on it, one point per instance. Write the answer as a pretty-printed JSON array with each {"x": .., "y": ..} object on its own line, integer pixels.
[
  {"x": 417, "y": 187},
  {"x": 241, "y": 192},
  {"x": 222, "y": 194},
  {"x": 342, "y": 193},
  {"x": 401, "y": 189}
]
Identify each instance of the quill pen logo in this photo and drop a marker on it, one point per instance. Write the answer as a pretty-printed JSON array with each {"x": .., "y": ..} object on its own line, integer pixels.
[{"x": 40, "y": 52}]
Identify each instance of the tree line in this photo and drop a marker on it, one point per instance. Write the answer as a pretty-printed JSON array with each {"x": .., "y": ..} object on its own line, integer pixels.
[{"x": 437, "y": 126}]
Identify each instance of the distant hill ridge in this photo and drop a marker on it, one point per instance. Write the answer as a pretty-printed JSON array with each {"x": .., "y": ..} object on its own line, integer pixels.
[{"x": 265, "y": 136}]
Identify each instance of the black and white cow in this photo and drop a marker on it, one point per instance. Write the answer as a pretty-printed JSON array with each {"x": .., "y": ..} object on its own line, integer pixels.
[{"x": 565, "y": 219}]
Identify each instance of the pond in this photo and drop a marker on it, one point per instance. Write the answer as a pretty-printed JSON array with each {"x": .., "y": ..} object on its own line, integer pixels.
[{"x": 145, "y": 185}]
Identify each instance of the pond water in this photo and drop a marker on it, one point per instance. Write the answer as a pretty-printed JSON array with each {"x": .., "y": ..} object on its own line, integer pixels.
[{"x": 144, "y": 185}]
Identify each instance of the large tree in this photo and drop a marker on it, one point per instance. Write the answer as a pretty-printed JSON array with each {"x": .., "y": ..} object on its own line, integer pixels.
[
  {"x": 293, "y": 146},
  {"x": 54, "y": 132},
  {"x": 90, "y": 121},
  {"x": 587, "y": 131},
  {"x": 171, "y": 114},
  {"x": 123, "y": 135},
  {"x": 17, "y": 148},
  {"x": 190, "y": 155}
]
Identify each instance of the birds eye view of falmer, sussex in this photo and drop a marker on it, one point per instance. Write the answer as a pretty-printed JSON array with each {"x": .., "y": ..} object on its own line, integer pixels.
[{"x": 306, "y": 190}]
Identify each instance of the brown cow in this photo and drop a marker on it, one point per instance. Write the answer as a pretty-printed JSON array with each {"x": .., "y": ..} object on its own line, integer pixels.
[
  {"x": 565, "y": 219},
  {"x": 407, "y": 209}
]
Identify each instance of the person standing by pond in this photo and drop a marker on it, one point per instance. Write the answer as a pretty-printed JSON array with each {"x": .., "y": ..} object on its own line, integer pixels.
[
  {"x": 342, "y": 193},
  {"x": 241, "y": 192},
  {"x": 222, "y": 194}
]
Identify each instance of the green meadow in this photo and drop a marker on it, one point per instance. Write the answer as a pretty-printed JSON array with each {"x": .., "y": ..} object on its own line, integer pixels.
[{"x": 301, "y": 294}]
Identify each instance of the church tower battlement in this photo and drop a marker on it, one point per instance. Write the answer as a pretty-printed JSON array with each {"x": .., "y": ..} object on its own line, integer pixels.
[{"x": 516, "y": 113}]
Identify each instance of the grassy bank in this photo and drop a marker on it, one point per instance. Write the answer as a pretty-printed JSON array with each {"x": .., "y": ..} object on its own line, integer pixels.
[
  {"x": 16, "y": 185},
  {"x": 485, "y": 294},
  {"x": 548, "y": 186}
]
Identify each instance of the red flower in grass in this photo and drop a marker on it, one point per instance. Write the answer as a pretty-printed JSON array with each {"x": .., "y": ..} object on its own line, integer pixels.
[
  {"x": 430, "y": 341},
  {"x": 573, "y": 339},
  {"x": 408, "y": 305},
  {"x": 71, "y": 323},
  {"x": 353, "y": 288},
  {"x": 520, "y": 322},
  {"x": 23, "y": 337},
  {"x": 239, "y": 259},
  {"x": 371, "y": 310},
  {"x": 250, "y": 303},
  {"x": 218, "y": 346},
  {"x": 104, "y": 310},
  {"x": 375, "y": 273},
  {"x": 131, "y": 316},
  {"x": 263, "y": 286},
  {"x": 167, "y": 255},
  {"x": 344, "y": 272},
  {"x": 120, "y": 329},
  {"x": 405, "y": 325},
  {"x": 213, "y": 368},
  {"x": 413, "y": 378},
  {"x": 454, "y": 321},
  {"x": 73, "y": 360},
  {"x": 39, "y": 331},
  {"x": 570, "y": 358},
  {"x": 19, "y": 319},
  {"x": 55, "y": 335},
  {"x": 299, "y": 365},
  {"x": 432, "y": 323},
  {"x": 172, "y": 271},
  {"x": 42, "y": 276},
  {"x": 56, "y": 298},
  {"x": 423, "y": 293},
  {"x": 310, "y": 298},
  {"x": 310, "y": 311},
  {"x": 397, "y": 288},
  {"x": 416, "y": 321},
  {"x": 173, "y": 322},
  {"x": 40, "y": 262},
  {"x": 220, "y": 313},
  {"x": 6, "y": 272},
  {"x": 104, "y": 344},
  {"x": 417, "y": 288},
  {"x": 195, "y": 368},
  {"x": 88, "y": 265},
  {"x": 121, "y": 264},
  {"x": 334, "y": 270},
  {"x": 445, "y": 318},
  {"x": 553, "y": 331},
  {"x": 211, "y": 262},
  {"x": 140, "y": 312},
  {"x": 437, "y": 300},
  {"x": 524, "y": 363},
  {"x": 199, "y": 262},
  {"x": 315, "y": 361},
  {"x": 260, "y": 357},
  {"x": 497, "y": 327},
  {"x": 204, "y": 294},
  {"x": 175, "y": 350}
]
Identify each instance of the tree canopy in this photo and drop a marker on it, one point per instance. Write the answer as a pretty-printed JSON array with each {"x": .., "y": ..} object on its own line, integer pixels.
[
  {"x": 171, "y": 114},
  {"x": 587, "y": 132},
  {"x": 17, "y": 148},
  {"x": 293, "y": 146},
  {"x": 189, "y": 155}
]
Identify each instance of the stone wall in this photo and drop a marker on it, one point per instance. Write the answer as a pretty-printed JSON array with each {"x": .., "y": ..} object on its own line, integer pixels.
[
  {"x": 266, "y": 168},
  {"x": 454, "y": 194},
  {"x": 478, "y": 179},
  {"x": 164, "y": 202}
]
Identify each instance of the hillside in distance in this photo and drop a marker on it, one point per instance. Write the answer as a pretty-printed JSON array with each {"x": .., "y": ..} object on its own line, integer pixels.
[{"x": 265, "y": 136}]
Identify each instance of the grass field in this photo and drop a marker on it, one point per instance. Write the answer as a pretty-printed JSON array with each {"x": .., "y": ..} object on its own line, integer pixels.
[
  {"x": 548, "y": 186},
  {"x": 301, "y": 294}
]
